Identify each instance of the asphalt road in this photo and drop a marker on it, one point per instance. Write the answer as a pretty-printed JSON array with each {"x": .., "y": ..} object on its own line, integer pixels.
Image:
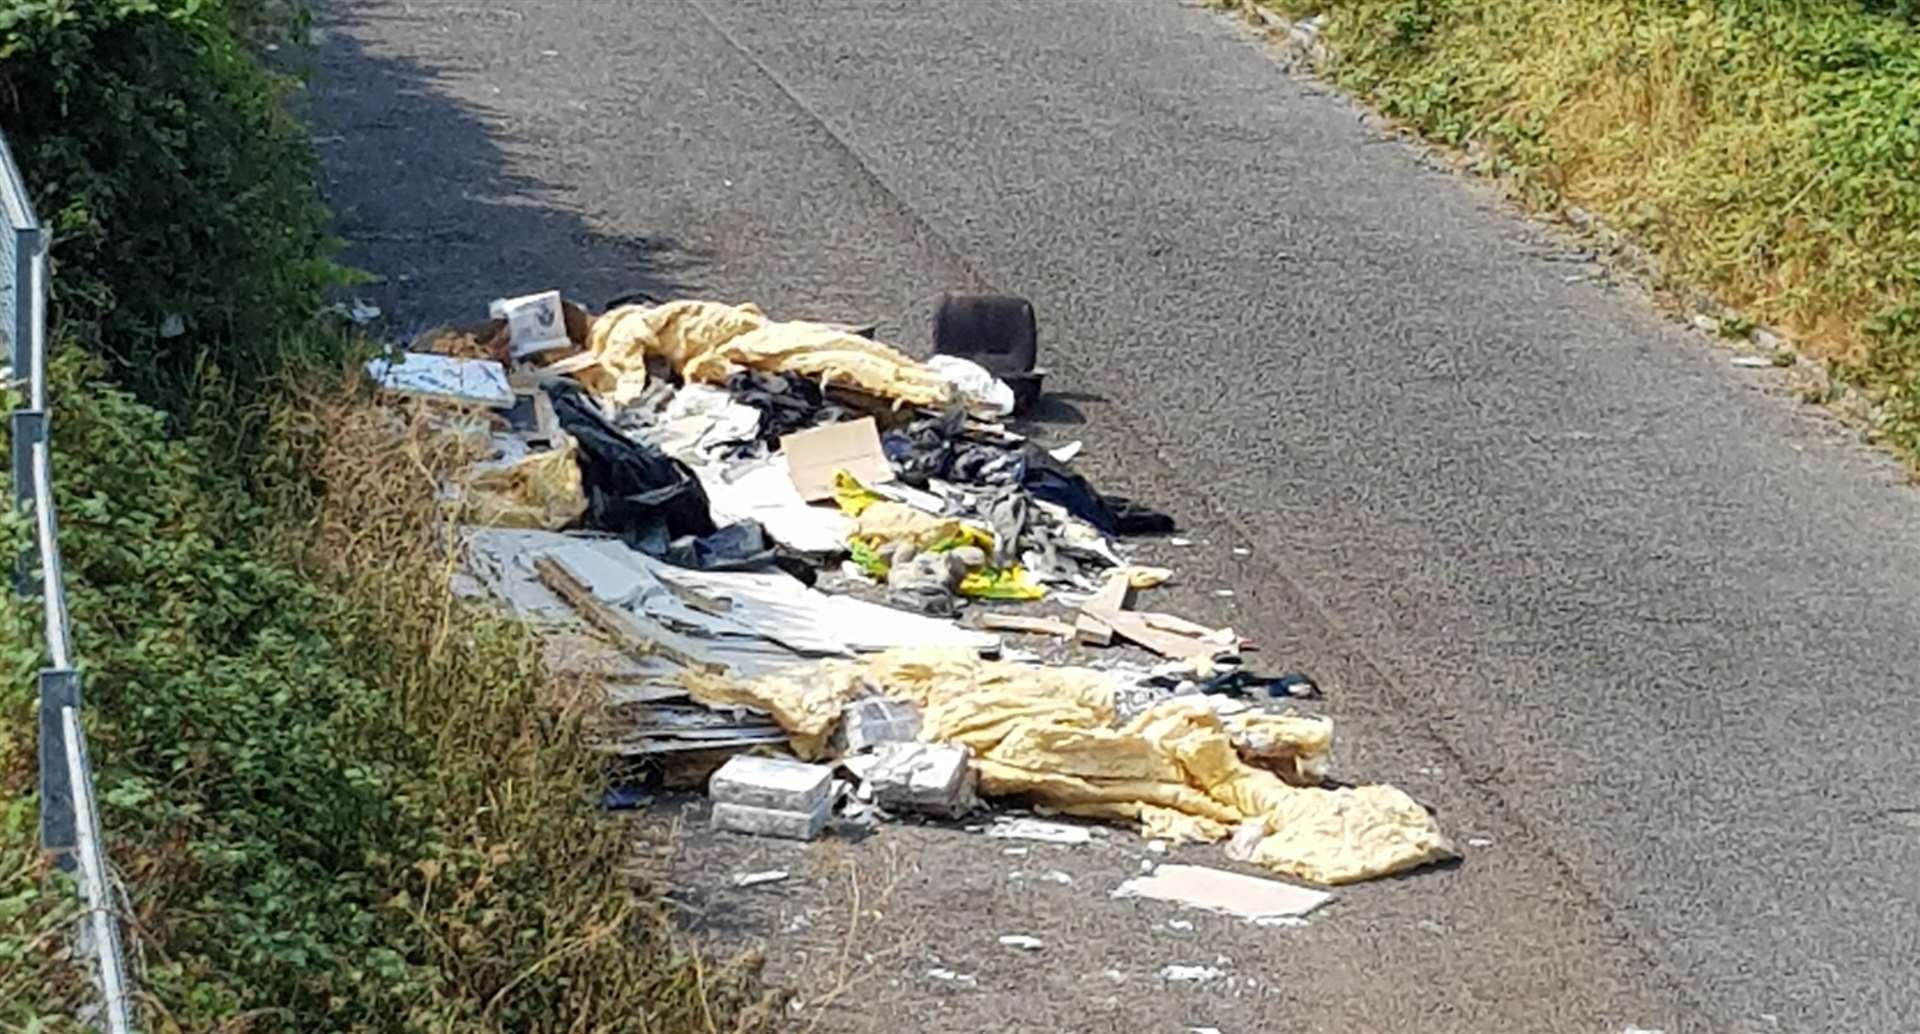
[{"x": 1619, "y": 607}]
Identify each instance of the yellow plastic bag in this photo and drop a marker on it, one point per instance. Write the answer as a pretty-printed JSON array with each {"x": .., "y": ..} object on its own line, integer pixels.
[
  {"x": 884, "y": 522},
  {"x": 1008, "y": 583},
  {"x": 850, "y": 495}
]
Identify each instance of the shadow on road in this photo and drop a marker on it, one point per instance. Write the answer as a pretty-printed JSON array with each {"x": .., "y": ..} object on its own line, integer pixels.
[{"x": 431, "y": 201}]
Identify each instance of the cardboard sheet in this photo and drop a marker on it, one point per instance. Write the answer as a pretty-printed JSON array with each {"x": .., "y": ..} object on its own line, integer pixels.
[{"x": 815, "y": 454}]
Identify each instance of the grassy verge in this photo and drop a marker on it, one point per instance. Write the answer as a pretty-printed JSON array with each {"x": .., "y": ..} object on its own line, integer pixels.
[
  {"x": 1768, "y": 153},
  {"x": 341, "y": 798}
]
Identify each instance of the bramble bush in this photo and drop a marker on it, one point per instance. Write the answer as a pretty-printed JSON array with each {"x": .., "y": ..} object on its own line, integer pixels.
[
  {"x": 342, "y": 798},
  {"x": 187, "y": 224}
]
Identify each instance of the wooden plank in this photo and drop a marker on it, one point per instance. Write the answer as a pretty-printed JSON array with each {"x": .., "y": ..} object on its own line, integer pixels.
[
  {"x": 1090, "y": 631},
  {"x": 615, "y": 622},
  {"x": 1115, "y": 595},
  {"x": 1167, "y": 635},
  {"x": 1021, "y": 623}
]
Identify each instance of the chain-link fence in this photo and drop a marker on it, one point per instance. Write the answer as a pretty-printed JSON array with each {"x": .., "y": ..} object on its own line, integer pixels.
[{"x": 69, "y": 822}]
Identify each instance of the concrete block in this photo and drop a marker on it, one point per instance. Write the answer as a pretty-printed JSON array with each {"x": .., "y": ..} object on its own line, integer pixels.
[
  {"x": 775, "y": 784},
  {"x": 926, "y": 777},
  {"x": 769, "y": 822}
]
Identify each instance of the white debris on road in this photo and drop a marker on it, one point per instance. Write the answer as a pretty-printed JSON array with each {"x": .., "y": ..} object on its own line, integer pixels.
[
  {"x": 1035, "y": 829},
  {"x": 1190, "y": 974}
]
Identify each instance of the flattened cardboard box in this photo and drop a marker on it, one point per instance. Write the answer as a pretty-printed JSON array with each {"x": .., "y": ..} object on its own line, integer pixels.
[{"x": 814, "y": 455}]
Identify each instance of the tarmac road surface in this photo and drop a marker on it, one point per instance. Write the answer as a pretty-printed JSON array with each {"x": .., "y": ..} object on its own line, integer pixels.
[{"x": 1609, "y": 602}]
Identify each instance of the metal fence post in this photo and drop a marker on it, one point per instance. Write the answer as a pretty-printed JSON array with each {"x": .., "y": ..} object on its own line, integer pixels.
[
  {"x": 59, "y": 691},
  {"x": 69, "y": 813},
  {"x": 26, "y": 426}
]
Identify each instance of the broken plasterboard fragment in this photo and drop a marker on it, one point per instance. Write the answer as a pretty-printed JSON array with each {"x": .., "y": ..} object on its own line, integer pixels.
[
  {"x": 665, "y": 728},
  {"x": 1190, "y": 974},
  {"x": 774, "y": 783},
  {"x": 1228, "y": 893},
  {"x": 767, "y": 822},
  {"x": 749, "y": 621},
  {"x": 816, "y": 454},
  {"x": 1292, "y": 922},
  {"x": 873, "y": 721},
  {"x": 925, "y": 777},
  {"x": 1035, "y": 829},
  {"x": 777, "y": 606},
  {"x": 476, "y": 382}
]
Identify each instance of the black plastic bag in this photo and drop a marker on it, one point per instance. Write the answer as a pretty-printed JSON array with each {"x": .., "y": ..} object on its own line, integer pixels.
[
  {"x": 1048, "y": 479},
  {"x": 736, "y": 547},
  {"x": 635, "y": 491}
]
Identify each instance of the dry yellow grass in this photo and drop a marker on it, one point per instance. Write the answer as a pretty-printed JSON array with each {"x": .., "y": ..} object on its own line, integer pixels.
[
  {"x": 1767, "y": 154},
  {"x": 531, "y": 915}
]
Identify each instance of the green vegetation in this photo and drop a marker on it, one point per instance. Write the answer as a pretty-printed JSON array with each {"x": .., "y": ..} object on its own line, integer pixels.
[
  {"x": 1768, "y": 152},
  {"x": 179, "y": 191},
  {"x": 342, "y": 798}
]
